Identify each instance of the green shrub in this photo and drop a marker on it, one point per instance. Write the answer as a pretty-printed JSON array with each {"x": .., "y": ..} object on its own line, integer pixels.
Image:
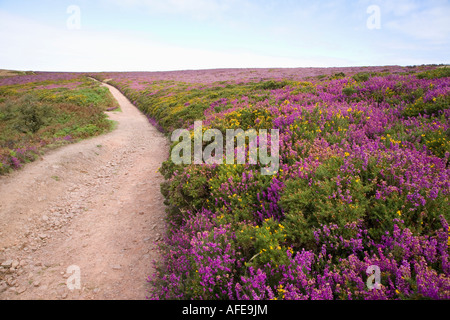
[
  {"x": 438, "y": 142},
  {"x": 437, "y": 73},
  {"x": 339, "y": 75},
  {"x": 362, "y": 76},
  {"x": 349, "y": 91},
  {"x": 308, "y": 205},
  {"x": 419, "y": 107},
  {"x": 32, "y": 117},
  {"x": 263, "y": 244},
  {"x": 271, "y": 85},
  {"x": 187, "y": 192}
]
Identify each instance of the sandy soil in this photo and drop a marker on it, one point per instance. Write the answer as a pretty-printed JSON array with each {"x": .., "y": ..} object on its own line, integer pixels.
[{"x": 95, "y": 205}]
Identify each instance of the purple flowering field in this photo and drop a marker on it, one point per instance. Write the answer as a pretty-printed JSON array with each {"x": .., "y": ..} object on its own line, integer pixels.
[{"x": 364, "y": 181}]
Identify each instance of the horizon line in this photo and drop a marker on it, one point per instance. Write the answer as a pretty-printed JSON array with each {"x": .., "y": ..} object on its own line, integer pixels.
[{"x": 230, "y": 68}]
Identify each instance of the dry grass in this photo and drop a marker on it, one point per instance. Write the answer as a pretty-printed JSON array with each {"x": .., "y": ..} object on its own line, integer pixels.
[
  {"x": 7, "y": 73},
  {"x": 11, "y": 73}
]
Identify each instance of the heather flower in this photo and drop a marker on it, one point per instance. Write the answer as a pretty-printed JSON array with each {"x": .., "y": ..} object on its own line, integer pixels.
[{"x": 364, "y": 180}]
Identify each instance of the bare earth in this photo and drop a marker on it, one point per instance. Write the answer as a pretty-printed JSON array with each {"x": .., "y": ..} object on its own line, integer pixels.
[{"x": 95, "y": 205}]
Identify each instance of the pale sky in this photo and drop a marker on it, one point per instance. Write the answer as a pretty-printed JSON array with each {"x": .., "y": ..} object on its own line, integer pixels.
[{"x": 163, "y": 35}]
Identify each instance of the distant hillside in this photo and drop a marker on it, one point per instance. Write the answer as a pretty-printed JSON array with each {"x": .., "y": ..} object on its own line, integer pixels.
[{"x": 11, "y": 73}]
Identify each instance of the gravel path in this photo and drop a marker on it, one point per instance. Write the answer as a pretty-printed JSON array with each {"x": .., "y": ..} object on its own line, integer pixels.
[{"x": 82, "y": 223}]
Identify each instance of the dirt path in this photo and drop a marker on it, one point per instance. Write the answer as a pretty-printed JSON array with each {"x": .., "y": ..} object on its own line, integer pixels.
[{"x": 95, "y": 205}]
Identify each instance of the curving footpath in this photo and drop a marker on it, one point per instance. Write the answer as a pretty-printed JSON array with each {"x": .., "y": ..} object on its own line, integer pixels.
[{"x": 83, "y": 222}]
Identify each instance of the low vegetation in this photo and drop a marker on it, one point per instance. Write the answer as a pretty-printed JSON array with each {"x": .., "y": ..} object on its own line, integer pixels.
[
  {"x": 48, "y": 113},
  {"x": 364, "y": 181}
]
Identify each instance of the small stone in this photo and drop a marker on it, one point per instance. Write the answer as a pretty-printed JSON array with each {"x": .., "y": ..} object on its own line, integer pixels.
[
  {"x": 7, "y": 264},
  {"x": 15, "y": 264},
  {"x": 11, "y": 282},
  {"x": 116, "y": 267},
  {"x": 37, "y": 283},
  {"x": 21, "y": 290}
]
